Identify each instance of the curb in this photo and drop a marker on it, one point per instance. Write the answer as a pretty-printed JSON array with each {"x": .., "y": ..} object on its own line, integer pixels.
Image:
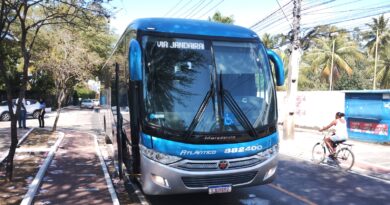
[
  {"x": 110, "y": 185},
  {"x": 377, "y": 169},
  {"x": 33, "y": 187},
  {"x": 372, "y": 167}
]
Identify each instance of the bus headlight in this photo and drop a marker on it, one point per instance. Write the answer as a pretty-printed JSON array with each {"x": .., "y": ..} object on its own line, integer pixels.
[
  {"x": 268, "y": 153},
  {"x": 158, "y": 157}
]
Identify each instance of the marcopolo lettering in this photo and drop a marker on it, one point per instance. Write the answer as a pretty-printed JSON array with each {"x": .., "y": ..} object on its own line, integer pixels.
[{"x": 180, "y": 45}]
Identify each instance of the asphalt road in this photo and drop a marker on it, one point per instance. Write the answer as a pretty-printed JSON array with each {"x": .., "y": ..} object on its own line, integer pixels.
[{"x": 297, "y": 182}]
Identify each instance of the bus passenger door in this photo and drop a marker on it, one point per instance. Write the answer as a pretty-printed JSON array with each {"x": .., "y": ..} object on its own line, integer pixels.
[
  {"x": 135, "y": 70},
  {"x": 119, "y": 123}
]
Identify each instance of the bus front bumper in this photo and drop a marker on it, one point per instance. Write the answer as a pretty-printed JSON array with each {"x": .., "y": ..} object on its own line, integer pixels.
[{"x": 160, "y": 179}]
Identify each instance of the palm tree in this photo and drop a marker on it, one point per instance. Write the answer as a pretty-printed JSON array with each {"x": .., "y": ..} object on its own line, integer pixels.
[
  {"x": 275, "y": 43},
  {"x": 217, "y": 17},
  {"x": 383, "y": 72},
  {"x": 379, "y": 25},
  {"x": 345, "y": 55},
  {"x": 268, "y": 41}
]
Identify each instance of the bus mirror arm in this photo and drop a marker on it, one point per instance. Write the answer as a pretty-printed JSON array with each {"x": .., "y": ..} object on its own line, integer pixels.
[{"x": 278, "y": 65}]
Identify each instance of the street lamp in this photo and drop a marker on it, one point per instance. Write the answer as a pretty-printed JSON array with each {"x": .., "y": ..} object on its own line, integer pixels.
[{"x": 333, "y": 34}]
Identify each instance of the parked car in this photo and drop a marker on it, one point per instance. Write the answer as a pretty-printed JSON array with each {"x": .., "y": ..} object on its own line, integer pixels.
[
  {"x": 96, "y": 102},
  {"x": 32, "y": 108},
  {"x": 4, "y": 113},
  {"x": 86, "y": 103}
]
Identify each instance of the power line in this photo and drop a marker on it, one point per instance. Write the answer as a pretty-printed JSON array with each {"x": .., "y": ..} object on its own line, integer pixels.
[
  {"x": 284, "y": 14},
  {"x": 184, "y": 12},
  {"x": 276, "y": 22},
  {"x": 332, "y": 6},
  {"x": 201, "y": 9},
  {"x": 181, "y": 8},
  {"x": 194, "y": 8},
  {"x": 269, "y": 16},
  {"x": 351, "y": 10},
  {"x": 211, "y": 8},
  {"x": 173, "y": 7},
  {"x": 348, "y": 18}
]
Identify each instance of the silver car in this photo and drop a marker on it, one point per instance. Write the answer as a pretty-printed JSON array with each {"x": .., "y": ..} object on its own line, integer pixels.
[
  {"x": 4, "y": 114},
  {"x": 32, "y": 108},
  {"x": 86, "y": 103}
]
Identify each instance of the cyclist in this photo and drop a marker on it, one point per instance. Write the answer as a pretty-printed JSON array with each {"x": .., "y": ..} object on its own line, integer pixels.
[{"x": 340, "y": 134}]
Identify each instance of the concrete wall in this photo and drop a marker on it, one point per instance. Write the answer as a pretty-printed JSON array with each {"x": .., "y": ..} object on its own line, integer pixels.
[{"x": 314, "y": 109}]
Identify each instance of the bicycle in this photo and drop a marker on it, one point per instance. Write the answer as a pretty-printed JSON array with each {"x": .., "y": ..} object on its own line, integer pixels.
[{"x": 344, "y": 157}]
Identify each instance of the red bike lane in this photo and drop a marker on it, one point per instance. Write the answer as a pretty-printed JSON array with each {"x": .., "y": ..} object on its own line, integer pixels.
[{"x": 75, "y": 175}]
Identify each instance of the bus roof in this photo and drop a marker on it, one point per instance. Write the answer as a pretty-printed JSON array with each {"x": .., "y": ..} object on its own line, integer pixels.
[{"x": 192, "y": 27}]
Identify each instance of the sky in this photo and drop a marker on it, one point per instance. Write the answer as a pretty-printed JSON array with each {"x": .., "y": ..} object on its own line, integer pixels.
[{"x": 246, "y": 13}]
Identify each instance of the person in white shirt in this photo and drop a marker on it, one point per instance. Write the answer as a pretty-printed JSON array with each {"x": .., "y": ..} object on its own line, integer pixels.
[{"x": 340, "y": 134}]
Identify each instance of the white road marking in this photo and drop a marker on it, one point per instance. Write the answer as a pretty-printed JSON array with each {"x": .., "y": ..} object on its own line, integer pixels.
[
  {"x": 85, "y": 175},
  {"x": 33, "y": 150},
  {"x": 33, "y": 187},
  {"x": 110, "y": 186}
]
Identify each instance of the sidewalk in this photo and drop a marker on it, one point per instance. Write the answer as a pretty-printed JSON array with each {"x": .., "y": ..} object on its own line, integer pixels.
[{"x": 370, "y": 158}]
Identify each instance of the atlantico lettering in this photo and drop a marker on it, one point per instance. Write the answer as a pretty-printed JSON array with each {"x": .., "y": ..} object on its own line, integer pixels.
[
  {"x": 180, "y": 45},
  {"x": 198, "y": 152}
]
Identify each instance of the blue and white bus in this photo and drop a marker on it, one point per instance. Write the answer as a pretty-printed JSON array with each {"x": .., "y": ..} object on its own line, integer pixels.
[{"x": 190, "y": 106}]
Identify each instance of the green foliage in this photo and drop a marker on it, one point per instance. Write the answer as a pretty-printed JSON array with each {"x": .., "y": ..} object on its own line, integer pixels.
[
  {"x": 10, "y": 61},
  {"x": 83, "y": 92},
  {"x": 218, "y": 17},
  {"x": 383, "y": 70},
  {"x": 378, "y": 26},
  {"x": 42, "y": 82},
  {"x": 356, "y": 81}
]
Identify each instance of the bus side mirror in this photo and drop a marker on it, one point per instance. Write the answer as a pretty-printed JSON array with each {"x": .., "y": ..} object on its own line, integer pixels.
[
  {"x": 278, "y": 65},
  {"x": 135, "y": 66}
]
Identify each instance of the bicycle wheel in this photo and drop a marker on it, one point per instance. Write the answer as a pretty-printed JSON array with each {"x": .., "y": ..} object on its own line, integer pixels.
[
  {"x": 318, "y": 153},
  {"x": 345, "y": 158}
]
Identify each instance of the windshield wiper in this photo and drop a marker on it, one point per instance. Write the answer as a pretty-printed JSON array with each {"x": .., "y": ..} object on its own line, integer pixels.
[
  {"x": 238, "y": 113},
  {"x": 235, "y": 108},
  {"x": 200, "y": 112}
]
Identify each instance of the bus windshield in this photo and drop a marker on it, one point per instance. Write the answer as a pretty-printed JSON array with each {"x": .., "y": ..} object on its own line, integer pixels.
[{"x": 207, "y": 87}]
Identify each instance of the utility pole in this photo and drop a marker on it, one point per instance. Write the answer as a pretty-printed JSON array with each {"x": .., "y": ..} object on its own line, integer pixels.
[
  {"x": 376, "y": 57},
  {"x": 333, "y": 37},
  {"x": 331, "y": 67},
  {"x": 293, "y": 71}
]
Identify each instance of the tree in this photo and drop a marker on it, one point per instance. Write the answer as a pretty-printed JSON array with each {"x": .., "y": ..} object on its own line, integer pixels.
[
  {"x": 379, "y": 26},
  {"x": 8, "y": 15},
  {"x": 383, "y": 72},
  {"x": 351, "y": 82},
  {"x": 217, "y": 17},
  {"x": 345, "y": 54},
  {"x": 69, "y": 62},
  {"x": 24, "y": 19}
]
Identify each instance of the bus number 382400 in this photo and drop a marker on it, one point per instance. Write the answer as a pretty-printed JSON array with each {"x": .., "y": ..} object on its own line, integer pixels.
[{"x": 243, "y": 149}]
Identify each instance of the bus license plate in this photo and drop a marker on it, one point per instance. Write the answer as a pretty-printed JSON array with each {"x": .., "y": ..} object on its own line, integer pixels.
[{"x": 220, "y": 189}]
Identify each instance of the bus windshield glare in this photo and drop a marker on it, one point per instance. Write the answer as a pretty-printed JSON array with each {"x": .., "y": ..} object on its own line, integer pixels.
[{"x": 204, "y": 86}]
